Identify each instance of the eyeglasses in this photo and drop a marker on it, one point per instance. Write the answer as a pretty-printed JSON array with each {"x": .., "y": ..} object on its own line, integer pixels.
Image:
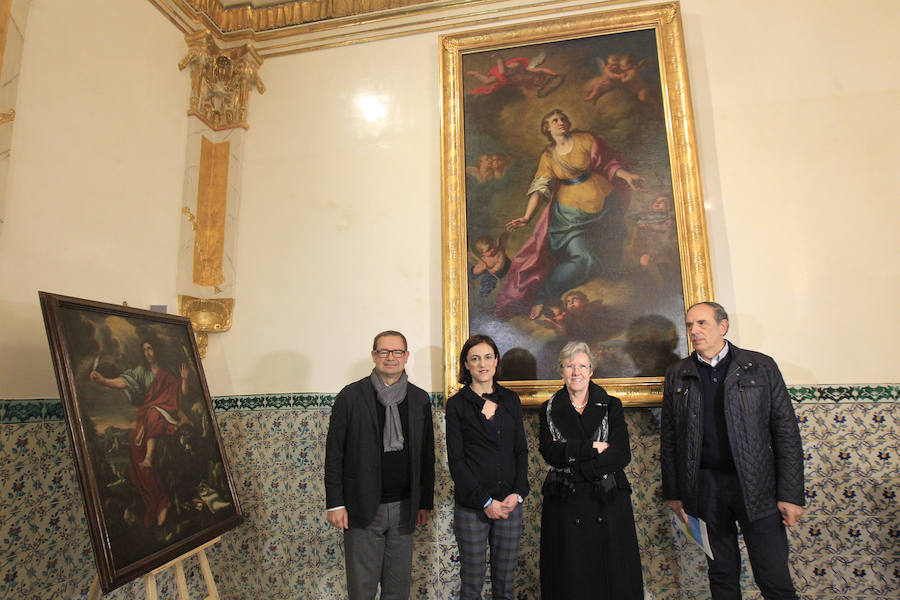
[
  {"x": 394, "y": 353},
  {"x": 571, "y": 367}
]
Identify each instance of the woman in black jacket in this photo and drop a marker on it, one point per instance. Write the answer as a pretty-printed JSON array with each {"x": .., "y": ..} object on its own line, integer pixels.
[
  {"x": 589, "y": 546},
  {"x": 488, "y": 459}
]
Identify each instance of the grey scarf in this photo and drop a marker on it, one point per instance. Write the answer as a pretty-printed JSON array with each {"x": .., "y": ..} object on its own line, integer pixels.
[{"x": 390, "y": 397}]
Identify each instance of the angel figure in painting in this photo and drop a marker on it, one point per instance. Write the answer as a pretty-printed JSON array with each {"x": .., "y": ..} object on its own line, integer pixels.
[
  {"x": 517, "y": 72},
  {"x": 621, "y": 70},
  {"x": 654, "y": 243},
  {"x": 581, "y": 233},
  {"x": 633, "y": 80},
  {"x": 157, "y": 392},
  {"x": 610, "y": 77},
  {"x": 492, "y": 262},
  {"x": 490, "y": 167},
  {"x": 501, "y": 163},
  {"x": 484, "y": 171}
]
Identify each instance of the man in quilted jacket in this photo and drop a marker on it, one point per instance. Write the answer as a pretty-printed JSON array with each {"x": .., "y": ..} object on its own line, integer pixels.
[{"x": 731, "y": 454}]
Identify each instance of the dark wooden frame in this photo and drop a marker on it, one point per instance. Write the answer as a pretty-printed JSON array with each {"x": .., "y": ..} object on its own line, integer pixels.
[{"x": 112, "y": 574}]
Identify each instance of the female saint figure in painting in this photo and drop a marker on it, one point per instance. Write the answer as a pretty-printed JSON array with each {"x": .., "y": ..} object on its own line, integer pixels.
[{"x": 581, "y": 233}]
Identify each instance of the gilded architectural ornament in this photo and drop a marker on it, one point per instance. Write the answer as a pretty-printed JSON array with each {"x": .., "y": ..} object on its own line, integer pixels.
[
  {"x": 207, "y": 315},
  {"x": 206, "y": 278},
  {"x": 221, "y": 80}
]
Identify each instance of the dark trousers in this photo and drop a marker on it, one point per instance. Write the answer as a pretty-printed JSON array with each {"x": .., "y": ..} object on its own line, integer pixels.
[
  {"x": 380, "y": 553},
  {"x": 722, "y": 506},
  {"x": 473, "y": 532}
]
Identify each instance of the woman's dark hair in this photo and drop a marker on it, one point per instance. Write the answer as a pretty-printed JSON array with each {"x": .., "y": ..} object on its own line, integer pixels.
[{"x": 463, "y": 376}]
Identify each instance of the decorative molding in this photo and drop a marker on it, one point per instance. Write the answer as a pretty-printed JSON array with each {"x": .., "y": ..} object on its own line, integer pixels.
[
  {"x": 15, "y": 412},
  {"x": 299, "y": 12},
  {"x": 221, "y": 80},
  {"x": 273, "y": 32},
  {"x": 247, "y": 19},
  {"x": 8, "y": 117}
]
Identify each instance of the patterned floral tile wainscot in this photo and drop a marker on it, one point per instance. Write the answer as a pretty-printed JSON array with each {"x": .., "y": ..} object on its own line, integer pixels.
[{"x": 845, "y": 548}]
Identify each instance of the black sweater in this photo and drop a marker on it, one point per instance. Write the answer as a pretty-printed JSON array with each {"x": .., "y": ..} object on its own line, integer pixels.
[{"x": 485, "y": 461}]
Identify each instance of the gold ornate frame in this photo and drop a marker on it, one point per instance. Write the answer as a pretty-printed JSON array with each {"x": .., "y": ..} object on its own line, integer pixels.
[{"x": 664, "y": 20}]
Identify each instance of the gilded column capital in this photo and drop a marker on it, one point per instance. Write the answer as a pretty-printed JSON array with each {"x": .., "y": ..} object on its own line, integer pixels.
[{"x": 221, "y": 80}]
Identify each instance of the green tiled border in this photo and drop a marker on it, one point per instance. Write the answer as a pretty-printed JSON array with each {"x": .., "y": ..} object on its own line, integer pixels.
[
  {"x": 830, "y": 394},
  {"x": 50, "y": 409}
]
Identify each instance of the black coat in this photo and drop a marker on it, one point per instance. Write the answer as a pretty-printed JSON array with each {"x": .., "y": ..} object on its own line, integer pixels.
[
  {"x": 589, "y": 547},
  {"x": 485, "y": 464},
  {"x": 353, "y": 453},
  {"x": 762, "y": 433}
]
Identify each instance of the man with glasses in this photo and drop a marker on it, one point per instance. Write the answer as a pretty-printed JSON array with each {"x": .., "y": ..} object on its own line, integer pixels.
[
  {"x": 731, "y": 453},
  {"x": 379, "y": 472}
]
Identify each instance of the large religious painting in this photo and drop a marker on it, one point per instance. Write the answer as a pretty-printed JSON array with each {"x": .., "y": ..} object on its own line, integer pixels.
[
  {"x": 147, "y": 447},
  {"x": 572, "y": 205}
]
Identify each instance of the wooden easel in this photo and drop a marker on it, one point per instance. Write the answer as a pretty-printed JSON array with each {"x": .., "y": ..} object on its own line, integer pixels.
[{"x": 180, "y": 581}]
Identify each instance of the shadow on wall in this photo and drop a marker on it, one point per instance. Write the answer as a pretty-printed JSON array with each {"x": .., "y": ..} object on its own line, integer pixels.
[{"x": 27, "y": 367}]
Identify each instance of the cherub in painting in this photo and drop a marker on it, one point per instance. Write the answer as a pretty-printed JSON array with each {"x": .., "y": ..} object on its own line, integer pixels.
[
  {"x": 517, "y": 72},
  {"x": 610, "y": 77},
  {"x": 633, "y": 80},
  {"x": 490, "y": 167},
  {"x": 484, "y": 171},
  {"x": 554, "y": 316},
  {"x": 621, "y": 70},
  {"x": 501, "y": 163},
  {"x": 492, "y": 263},
  {"x": 654, "y": 242}
]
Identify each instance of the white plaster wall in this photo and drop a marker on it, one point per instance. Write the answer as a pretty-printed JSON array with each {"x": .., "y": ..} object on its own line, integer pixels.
[
  {"x": 95, "y": 174},
  {"x": 339, "y": 232},
  {"x": 339, "y": 229},
  {"x": 799, "y": 137}
]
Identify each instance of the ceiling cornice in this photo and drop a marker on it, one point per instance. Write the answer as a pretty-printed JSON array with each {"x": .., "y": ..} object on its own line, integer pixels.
[
  {"x": 294, "y": 26},
  {"x": 248, "y": 19}
]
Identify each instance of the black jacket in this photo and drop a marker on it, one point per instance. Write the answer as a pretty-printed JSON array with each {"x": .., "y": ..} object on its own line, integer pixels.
[
  {"x": 353, "y": 453},
  {"x": 483, "y": 464},
  {"x": 762, "y": 433}
]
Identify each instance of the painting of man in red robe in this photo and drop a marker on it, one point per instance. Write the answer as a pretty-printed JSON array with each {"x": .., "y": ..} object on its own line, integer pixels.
[
  {"x": 159, "y": 394},
  {"x": 147, "y": 447}
]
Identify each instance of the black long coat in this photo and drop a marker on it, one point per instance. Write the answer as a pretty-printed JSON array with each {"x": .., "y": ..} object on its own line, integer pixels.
[{"x": 589, "y": 546}]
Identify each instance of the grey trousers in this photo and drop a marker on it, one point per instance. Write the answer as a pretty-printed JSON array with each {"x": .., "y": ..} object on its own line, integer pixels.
[
  {"x": 474, "y": 531},
  {"x": 380, "y": 553}
]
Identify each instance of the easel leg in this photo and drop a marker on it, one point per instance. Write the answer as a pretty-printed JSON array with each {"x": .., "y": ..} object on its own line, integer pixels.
[
  {"x": 150, "y": 583},
  {"x": 180, "y": 581},
  {"x": 208, "y": 576}
]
